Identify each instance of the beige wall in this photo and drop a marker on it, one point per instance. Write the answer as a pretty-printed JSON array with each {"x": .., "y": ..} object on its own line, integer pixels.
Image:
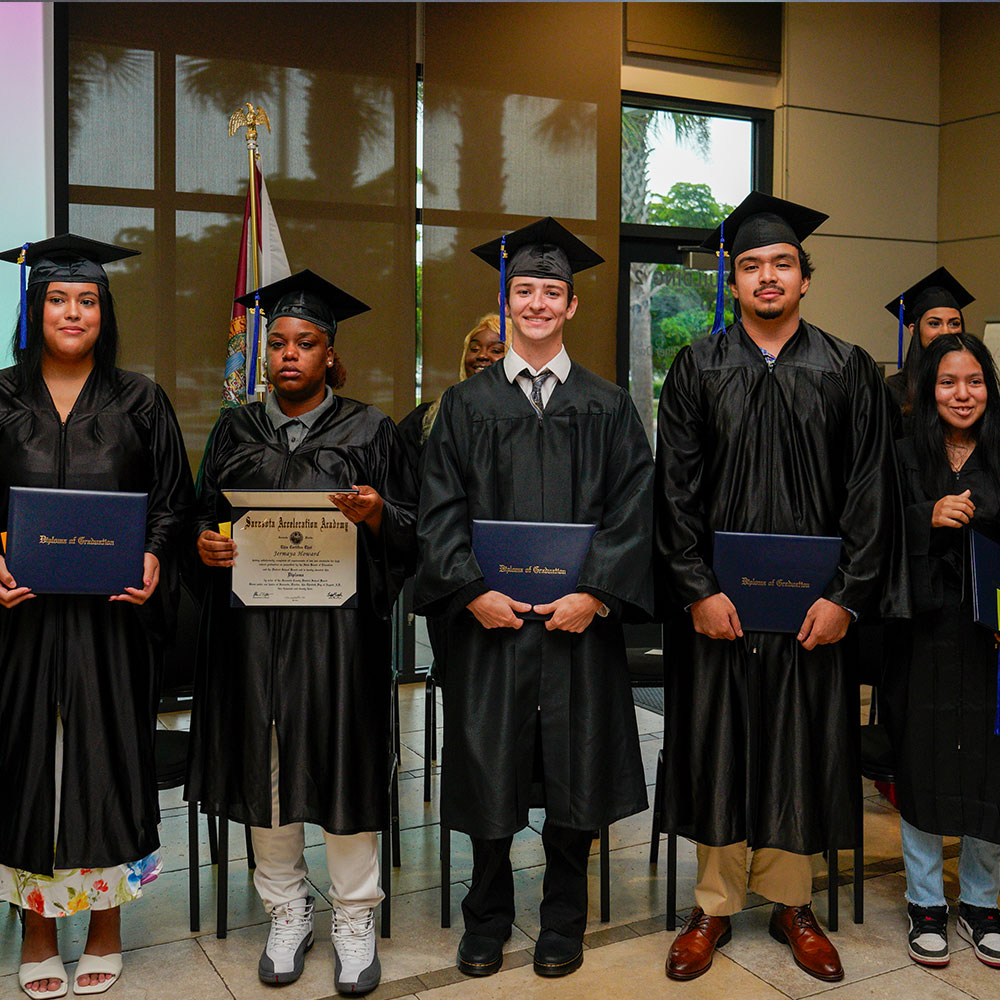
[
  {"x": 856, "y": 135},
  {"x": 969, "y": 153}
]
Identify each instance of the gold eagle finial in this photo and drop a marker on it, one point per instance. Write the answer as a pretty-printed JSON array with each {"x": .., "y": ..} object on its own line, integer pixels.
[{"x": 249, "y": 119}]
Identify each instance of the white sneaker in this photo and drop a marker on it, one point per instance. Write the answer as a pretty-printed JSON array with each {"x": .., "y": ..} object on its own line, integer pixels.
[
  {"x": 357, "y": 970},
  {"x": 283, "y": 958}
]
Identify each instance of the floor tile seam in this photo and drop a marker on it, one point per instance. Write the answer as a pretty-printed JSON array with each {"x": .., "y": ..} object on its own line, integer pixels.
[
  {"x": 941, "y": 979},
  {"x": 215, "y": 968},
  {"x": 822, "y": 990}
]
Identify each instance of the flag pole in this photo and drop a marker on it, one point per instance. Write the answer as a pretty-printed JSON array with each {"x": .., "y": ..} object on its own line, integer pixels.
[{"x": 250, "y": 119}]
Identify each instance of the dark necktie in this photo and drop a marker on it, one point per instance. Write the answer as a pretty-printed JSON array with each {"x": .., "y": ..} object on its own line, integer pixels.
[{"x": 537, "y": 381}]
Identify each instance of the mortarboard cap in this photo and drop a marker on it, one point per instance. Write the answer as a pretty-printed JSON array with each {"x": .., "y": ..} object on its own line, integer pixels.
[
  {"x": 935, "y": 290},
  {"x": 761, "y": 220},
  {"x": 305, "y": 295},
  {"x": 543, "y": 249},
  {"x": 69, "y": 258}
]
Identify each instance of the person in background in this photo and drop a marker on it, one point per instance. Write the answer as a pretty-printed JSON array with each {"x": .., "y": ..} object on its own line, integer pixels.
[
  {"x": 78, "y": 827},
  {"x": 941, "y": 699},
  {"x": 291, "y": 715},
  {"x": 481, "y": 348},
  {"x": 930, "y": 307}
]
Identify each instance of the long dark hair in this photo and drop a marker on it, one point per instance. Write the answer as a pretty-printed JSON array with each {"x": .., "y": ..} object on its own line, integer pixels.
[
  {"x": 29, "y": 360},
  {"x": 911, "y": 364},
  {"x": 928, "y": 427}
]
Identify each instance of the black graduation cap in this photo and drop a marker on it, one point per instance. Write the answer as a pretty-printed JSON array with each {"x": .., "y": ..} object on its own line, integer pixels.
[
  {"x": 760, "y": 220},
  {"x": 71, "y": 258},
  {"x": 305, "y": 295},
  {"x": 543, "y": 249},
  {"x": 935, "y": 290}
]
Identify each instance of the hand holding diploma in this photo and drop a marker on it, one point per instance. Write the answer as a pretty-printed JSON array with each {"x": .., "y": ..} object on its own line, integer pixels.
[
  {"x": 10, "y": 593},
  {"x": 572, "y": 613},
  {"x": 150, "y": 580},
  {"x": 496, "y": 610},
  {"x": 825, "y": 622},
  {"x": 363, "y": 507},
  {"x": 216, "y": 550},
  {"x": 716, "y": 617}
]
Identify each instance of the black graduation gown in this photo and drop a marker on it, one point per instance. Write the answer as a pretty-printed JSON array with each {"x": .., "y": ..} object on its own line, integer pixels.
[
  {"x": 941, "y": 696},
  {"x": 586, "y": 461},
  {"x": 323, "y": 676},
  {"x": 87, "y": 658},
  {"x": 760, "y": 734},
  {"x": 411, "y": 429}
]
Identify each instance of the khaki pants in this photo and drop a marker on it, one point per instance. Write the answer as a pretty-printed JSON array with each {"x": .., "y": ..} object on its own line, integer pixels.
[
  {"x": 779, "y": 876},
  {"x": 280, "y": 878}
]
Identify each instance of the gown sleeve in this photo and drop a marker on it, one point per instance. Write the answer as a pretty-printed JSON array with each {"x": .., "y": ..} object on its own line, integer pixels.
[
  {"x": 448, "y": 575},
  {"x": 872, "y": 575},
  {"x": 392, "y": 554},
  {"x": 617, "y": 568},
  {"x": 682, "y": 538}
]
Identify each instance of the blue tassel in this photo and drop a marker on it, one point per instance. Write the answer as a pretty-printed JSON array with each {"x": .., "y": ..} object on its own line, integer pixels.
[
  {"x": 899, "y": 359},
  {"x": 720, "y": 285},
  {"x": 252, "y": 374},
  {"x": 24, "y": 295},
  {"x": 503, "y": 289}
]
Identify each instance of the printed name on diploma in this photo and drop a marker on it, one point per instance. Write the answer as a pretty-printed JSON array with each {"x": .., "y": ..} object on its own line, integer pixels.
[{"x": 76, "y": 540}]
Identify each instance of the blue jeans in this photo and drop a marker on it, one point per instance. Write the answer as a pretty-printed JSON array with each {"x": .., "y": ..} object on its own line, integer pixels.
[{"x": 978, "y": 869}]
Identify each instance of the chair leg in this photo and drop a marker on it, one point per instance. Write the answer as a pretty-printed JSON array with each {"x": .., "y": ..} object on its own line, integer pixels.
[
  {"x": 394, "y": 816},
  {"x": 251, "y": 860},
  {"x": 445, "y": 834},
  {"x": 213, "y": 838},
  {"x": 859, "y": 867},
  {"x": 833, "y": 890},
  {"x": 386, "y": 907},
  {"x": 605, "y": 875},
  {"x": 671, "y": 881},
  {"x": 654, "y": 834},
  {"x": 395, "y": 718},
  {"x": 194, "y": 889},
  {"x": 428, "y": 734},
  {"x": 222, "y": 884}
]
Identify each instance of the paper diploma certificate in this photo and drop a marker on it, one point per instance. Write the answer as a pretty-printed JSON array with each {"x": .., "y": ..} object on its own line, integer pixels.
[{"x": 291, "y": 553}]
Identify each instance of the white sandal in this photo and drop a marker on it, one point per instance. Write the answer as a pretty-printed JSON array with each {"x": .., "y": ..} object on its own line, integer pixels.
[
  {"x": 94, "y": 965},
  {"x": 51, "y": 968}
]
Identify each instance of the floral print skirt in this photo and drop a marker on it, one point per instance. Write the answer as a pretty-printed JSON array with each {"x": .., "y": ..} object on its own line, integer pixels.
[{"x": 71, "y": 890}]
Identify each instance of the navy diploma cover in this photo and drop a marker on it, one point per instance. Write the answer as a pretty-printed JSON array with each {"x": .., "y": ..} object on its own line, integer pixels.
[
  {"x": 773, "y": 580},
  {"x": 75, "y": 541},
  {"x": 535, "y": 562},
  {"x": 985, "y": 580}
]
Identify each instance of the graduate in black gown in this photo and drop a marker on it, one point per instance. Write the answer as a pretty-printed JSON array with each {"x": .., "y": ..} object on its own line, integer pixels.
[
  {"x": 771, "y": 426},
  {"x": 930, "y": 307},
  {"x": 536, "y": 438},
  {"x": 78, "y": 673},
  {"x": 941, "y": 698},
  {"x": 291, "y": 715}
]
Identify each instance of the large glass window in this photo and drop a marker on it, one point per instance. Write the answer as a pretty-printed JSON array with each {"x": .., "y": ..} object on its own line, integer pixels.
[{"x": 685, "y": 166}]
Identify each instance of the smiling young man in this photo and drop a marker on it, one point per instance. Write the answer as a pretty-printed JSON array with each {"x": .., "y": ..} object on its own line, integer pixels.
[
  {"x": 537, "y": 438},
  {"x": 771, "y": 427}
]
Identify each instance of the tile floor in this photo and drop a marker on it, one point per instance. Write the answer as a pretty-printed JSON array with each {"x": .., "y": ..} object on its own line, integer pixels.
[{"x": 624, "y": 958}]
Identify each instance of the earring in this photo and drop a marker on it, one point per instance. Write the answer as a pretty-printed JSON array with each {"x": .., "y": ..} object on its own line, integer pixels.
[{"x": 329, "y": 364}]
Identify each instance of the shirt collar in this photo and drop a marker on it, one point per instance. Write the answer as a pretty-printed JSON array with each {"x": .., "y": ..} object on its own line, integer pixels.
[
  {"x": 514, "y": 364},
  {"x": 279, "y": 418}
]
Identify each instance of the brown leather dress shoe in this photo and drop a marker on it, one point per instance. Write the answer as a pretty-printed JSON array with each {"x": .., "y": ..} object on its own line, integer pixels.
[
  {"x": 691, "y": 953},
  {"x": 813, "y": 953}
]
